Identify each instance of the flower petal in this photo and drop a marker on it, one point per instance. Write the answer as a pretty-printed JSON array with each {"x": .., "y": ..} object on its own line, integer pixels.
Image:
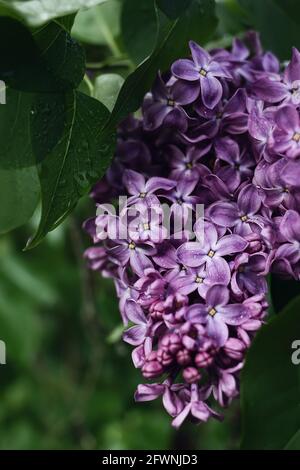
[
  {"x": 217, "y": 330},
  {"x": 200, "y": 56},
  {"x": 217, "y": 295},
  {"x": 191, "y": 254},
  {"x": 185, "y": 69},
  {"x": 235, "y": 314},
  {"x": 231, "y": 244},
  {"x": 224, "y": 214},
  {"x": 148, "y": 392},
  {"x": 218, "y": 271},
  {"x": 211, "y": 91},
  {"x": 287, "y": 118},
  {"x": 290, "y": 226},
  {"x": 135, "y": 335},
  {"x": 185, "y": 92},
  {"x": 134, "y": 182}
]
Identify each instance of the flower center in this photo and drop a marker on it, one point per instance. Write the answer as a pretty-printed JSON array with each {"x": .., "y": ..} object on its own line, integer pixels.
[
  {"x": 203, "y": 72},
  {"x": 143, "y": 195},
  {"x": 170, "y": 102},
  {"x": 244, "y": 218},
  {"x": 189, "y": 166},
  {"x": 212, "y": 312},
  {"x": 211, "y": 253},
  {"x": 199, "y": 280},
  {"x": 146, "y": 226},
  {"x": 286, "y": 190},
  {"x": 131, "y": 245},
  {"x": 296, "y": 137}
]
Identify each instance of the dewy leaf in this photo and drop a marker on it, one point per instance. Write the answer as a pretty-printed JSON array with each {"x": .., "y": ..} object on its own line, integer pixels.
[
  {"x": 277, "y": 21},
  {"x": 139, "y": 28},
  {"x": 197, "y": 23},
  {"x": 107, "y": 88},
  {"x": 76, "y": 162},
  {"x": 99, "y": 25},
  {"x": 270, "y": 382},
  {"x": 38, "y": 12},
  {"x": 19, "y": 194},
  {"x": 48, "y": 60}
]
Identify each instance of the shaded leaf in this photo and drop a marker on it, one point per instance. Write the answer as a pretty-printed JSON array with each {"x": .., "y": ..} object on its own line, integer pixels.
[
  {"x": 19, "y": 194},
  {"x": 47, "y": 60},
  {"x": 139, "y": 28},
  {"x": 16, "y": 148},
  {"x": 79, "y": 158},
  {"x": 271, "y": 385},
  {"x": 173, "y": 8},
  {"x": 197, "y": 23},
  {"x": 278, "y": 23}
]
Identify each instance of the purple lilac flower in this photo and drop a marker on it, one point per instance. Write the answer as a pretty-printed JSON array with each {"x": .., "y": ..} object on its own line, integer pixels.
[
  {"x": 203, "y": 73},
  {"x": 276, "y": 88},
  {"x": 163, "y": 105},
  {"x": 221, "y": 129},
  {"x": 217, "y": 313},
  {"x": 238, "y": 164},
  {"x": 242, "y": 215},
  {"x": 211, "y": 251},
  {"x": 287, "y": 132}
]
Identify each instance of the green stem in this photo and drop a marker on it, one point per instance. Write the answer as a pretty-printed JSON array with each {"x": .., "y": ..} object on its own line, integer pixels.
[{"x": 89, "y": 84}]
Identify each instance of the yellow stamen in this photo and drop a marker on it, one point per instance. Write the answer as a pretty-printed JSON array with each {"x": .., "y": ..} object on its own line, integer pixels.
[
  {"x": 203, "y": 72},
  {"x": 211, "y": 253},
  {"x": 131, "y": 246},
  {"x": 244, "y": 218},
  {"x": 212, "y": 312},
  {"x": 142, "y": 195},
  {"x": 171, "y": 102},
  {"x": 146, "y": 226},
  {"x": 189, "y": 166},
  {"x": 199, "y": 280},
  {"x": 296, "y": 137}
]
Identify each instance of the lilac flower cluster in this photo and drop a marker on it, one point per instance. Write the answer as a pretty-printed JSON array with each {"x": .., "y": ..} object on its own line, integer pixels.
[{"x": 221, "y": 128}]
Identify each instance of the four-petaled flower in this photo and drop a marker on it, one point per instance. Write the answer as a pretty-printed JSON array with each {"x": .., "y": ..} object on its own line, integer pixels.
[
  {"x": 217, "y": 313},
  {"x": 203, "y": 75}
]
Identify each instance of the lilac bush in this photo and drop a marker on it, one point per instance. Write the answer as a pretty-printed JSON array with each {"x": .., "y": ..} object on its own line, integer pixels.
[{"x": 221, "y": 129}]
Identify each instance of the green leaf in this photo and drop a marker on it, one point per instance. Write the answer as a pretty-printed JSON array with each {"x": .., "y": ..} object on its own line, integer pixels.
[
  {"x": 107, "y": 88},
  {"x": 173, "y": 8},
  {"x": 47, "y": 60},
  {"x": 270, "y": 381},
  {"x": 16, "y": 149},
  {"x": 19, "y": 194},
  {"x": 197, "y": 23},
  {"x": 66, "y": 22},
  {"x": 79, "y": 158},
  {"x": 231, "y": 17},
  {"x": 277, "y": 21},
  {"x": 38, "y": 12},
  {"x": 99, "y": 25},
  {"x": 139, "y": 28},
  {"x": 282, "y": 291}
]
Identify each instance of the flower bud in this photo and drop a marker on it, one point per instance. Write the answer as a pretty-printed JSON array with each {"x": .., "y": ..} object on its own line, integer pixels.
[{"x": 191, "y": 375}]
